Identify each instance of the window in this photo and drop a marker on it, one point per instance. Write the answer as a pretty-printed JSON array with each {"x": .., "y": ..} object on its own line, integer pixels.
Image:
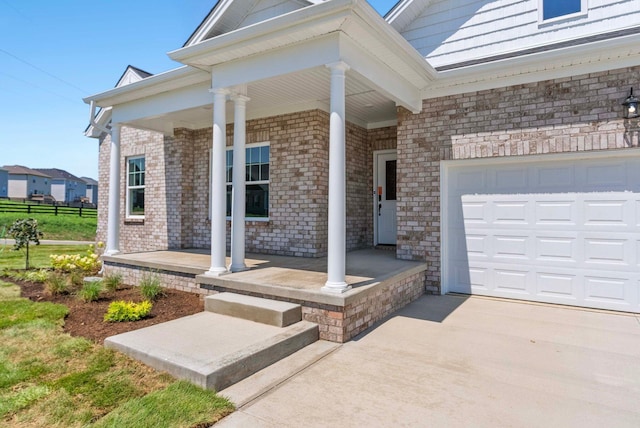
[
  {"x": 552, "y": 9},
  {"x": 257, "y": 176},
  {"x": 135, "y": 187}
]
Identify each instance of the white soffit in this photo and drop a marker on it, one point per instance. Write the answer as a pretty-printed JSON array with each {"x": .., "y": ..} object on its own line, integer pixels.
[{"x": 564, "y": 62}]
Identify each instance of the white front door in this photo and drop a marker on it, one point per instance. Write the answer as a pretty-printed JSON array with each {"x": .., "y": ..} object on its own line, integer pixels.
[{"x": 385, "y": 197}]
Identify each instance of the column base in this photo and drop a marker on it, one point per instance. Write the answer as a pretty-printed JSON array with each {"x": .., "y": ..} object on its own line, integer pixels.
[
  {"x": 216, "y": 271},
  {"x": 335, "y": 287},
  {"x": 111, "y": 252},
  {"x": 238, "y": 268}
]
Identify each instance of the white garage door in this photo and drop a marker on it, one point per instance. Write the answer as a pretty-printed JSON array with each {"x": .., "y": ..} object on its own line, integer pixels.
[{"x": 562, "y": 231}]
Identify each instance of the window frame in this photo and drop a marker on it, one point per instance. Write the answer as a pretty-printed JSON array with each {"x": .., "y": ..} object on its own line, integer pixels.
[
  {"x": 584, "y": 9},
  {"x": 247, "y": 182},
  {"x": 128, "y": 213}
]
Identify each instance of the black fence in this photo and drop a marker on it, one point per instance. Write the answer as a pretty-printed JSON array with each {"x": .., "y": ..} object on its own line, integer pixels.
[{"x": 25, "y": 208}]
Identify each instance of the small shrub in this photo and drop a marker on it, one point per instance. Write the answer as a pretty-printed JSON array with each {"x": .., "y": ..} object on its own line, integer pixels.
[
  {"x": 38, "y": 276},
  {"x": 89, "y": 263},
  {"x": 127, "y": 311},
  {"x": 90, "y": 291},
  {"x": 112, "y": 282},
  {"x": 150, "y": 287},
  {"x": 56, "y": 284}
]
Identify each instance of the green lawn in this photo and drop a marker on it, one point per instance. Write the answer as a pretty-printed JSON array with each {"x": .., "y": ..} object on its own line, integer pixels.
[
  {"x": 48, "y": 378},
  {"x": 61, "y": 227},
  {"x": 38, "y": 255}
]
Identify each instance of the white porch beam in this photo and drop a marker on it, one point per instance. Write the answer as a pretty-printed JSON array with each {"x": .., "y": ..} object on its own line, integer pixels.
[
  {"x": 113, "y": 214},
  {"x": 164, "y": 103},
  {"x": 314, "y": 53},
  {"x": 336, "y": 248},
  {"x": 381, "y": 76},
  {"x": 239, "y": 189},
  {"x": 218, "y": 185}
]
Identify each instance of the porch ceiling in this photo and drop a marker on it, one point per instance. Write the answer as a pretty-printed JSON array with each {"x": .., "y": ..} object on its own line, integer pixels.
[{"x": 304, "y": 90}]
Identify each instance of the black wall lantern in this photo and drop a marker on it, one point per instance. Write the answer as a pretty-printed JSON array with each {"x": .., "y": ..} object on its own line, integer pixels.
[{"x": 631, "y": 106}]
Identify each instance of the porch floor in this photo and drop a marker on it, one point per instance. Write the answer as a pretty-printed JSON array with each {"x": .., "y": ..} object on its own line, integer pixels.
[{"x": 290, "y": 277}]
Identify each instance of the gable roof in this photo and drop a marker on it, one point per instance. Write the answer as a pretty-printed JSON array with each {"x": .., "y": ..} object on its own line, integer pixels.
[
  {"x": 23, "y": 170},
  {"x": 229, "y": 15},
  {"x": 89, "y": 181},
  {"x": 56, "y": 173}
]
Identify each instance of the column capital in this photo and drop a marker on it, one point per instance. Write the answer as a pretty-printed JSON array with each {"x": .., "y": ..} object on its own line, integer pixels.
[
  {"x": 219, "y": 91},
  {"x": 239, "y": 99},
  {"x": 338, "y": 66},
  {"x": 116, "y": 125}
]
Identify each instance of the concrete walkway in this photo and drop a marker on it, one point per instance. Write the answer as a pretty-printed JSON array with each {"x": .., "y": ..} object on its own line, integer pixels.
[{"x": 450, "y": 361}]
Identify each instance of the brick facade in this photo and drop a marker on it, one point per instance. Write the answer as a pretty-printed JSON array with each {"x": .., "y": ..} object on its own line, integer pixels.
[
  {"x": 177, "y": 186},
  {"x": 579, "y": 113}
]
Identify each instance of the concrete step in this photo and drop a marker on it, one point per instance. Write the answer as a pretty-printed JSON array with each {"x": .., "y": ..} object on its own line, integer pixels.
[
  {"x": 271, "y": 312},
  {"x": 212, "y": 350}
]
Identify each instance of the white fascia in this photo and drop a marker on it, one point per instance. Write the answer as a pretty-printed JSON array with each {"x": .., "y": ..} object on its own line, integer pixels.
[
  {"x": 156, "y": 84},
  {"x": 587, "y": 58}
]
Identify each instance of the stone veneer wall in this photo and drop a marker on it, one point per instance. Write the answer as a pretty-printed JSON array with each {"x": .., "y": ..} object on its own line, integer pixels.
[{"x": 579, "y": 113}]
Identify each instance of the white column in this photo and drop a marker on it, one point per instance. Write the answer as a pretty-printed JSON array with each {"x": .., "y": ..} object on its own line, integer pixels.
[
  {"x": 239, "y": 189},
  {"x": 113, "y": 209},
  {"x": 218, "y": 185},
  {"x": 337, "y": 254}
]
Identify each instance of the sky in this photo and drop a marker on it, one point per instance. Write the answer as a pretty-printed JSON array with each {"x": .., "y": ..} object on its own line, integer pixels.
[{"x": 54, "y": 53}]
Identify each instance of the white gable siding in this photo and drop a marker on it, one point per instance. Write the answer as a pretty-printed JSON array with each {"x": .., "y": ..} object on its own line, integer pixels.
[
  {"x": 450, "y": 32},
  {"x": 268, "y": 9}
]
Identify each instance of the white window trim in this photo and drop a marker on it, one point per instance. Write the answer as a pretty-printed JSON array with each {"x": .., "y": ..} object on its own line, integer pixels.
[
  {"x": 584, "y": 9},
  {"x": 228, "y": 183},
  {"x": 128, "y": 214}
]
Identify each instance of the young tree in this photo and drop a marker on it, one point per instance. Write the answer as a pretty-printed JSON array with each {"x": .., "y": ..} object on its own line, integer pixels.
[{"x": 25, "y": 231}]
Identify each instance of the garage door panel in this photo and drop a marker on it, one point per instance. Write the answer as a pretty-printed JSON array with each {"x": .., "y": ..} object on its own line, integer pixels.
[
  {"x": 510, "y": 246},
  {"x": 511, "y": 212},
  {"x": 475, "y": 212},
  {"x": 557, "y": 285},
  {"x": 605, "y": 212},
  {"x": 560, "y": 212},
  {"x": 560, "y": 232},
  {"x": 557, "y": 248},
  {"x": 512, "y": 281},
  {"x": 509, "y": 179},
  {"x": 607, "y": 251},
  {"x": 550, "y": 178},
  {"x": 606, "y": 176}
]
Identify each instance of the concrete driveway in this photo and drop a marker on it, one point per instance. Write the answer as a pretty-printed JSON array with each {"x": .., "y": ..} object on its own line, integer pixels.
[{"x": 448, "y": 361}]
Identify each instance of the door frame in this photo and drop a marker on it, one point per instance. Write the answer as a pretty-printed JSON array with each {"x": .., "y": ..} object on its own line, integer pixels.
[{"x": 374, "y": 197}]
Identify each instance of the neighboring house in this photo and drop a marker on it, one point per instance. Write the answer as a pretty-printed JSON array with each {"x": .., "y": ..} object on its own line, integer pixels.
[
  {"x": 65, "y": 187},
  {"x": 92, "y": 190},
  {"x": 484, "y": 138},
  {"x": 24, "y": 182},
  {"x": 4, "y": 183}
]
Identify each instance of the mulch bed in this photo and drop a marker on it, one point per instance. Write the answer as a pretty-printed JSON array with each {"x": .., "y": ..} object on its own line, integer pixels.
[{"x": 86, "y": 319}]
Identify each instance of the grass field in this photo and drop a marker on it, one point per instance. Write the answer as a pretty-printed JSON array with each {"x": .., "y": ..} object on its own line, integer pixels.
[
  {"x": 38, "y": 255},
  {"x": 69, "y": 227},
  {"x": 48, "y": 378}
]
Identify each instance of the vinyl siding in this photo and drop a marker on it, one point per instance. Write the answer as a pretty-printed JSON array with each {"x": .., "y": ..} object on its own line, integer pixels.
[{"x": 449, "y": 32}]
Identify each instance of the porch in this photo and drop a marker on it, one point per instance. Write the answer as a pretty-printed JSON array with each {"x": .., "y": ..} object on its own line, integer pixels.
[{"x": 380, "y": 283}]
